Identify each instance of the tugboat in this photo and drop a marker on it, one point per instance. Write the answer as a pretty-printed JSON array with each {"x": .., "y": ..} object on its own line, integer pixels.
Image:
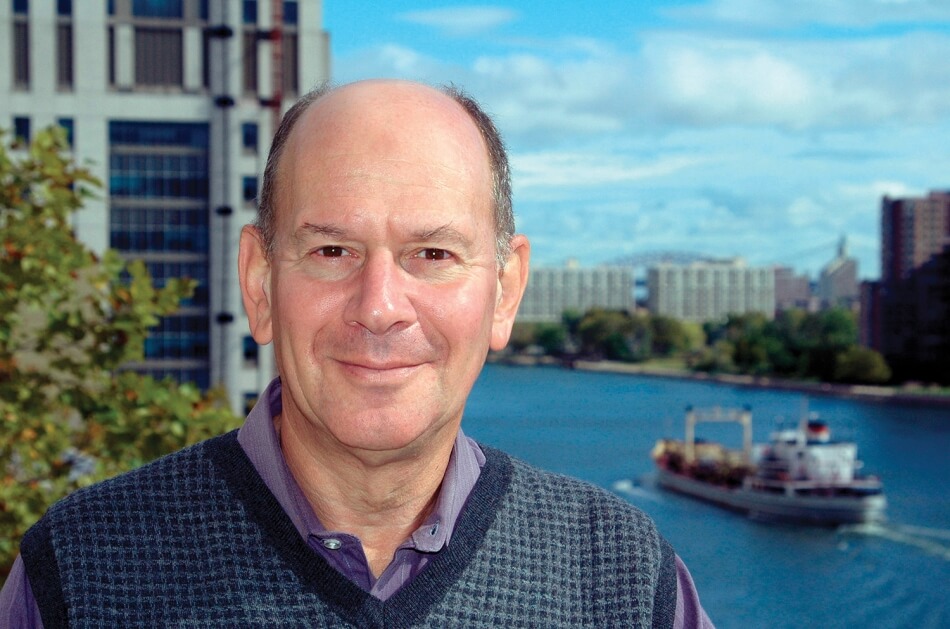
[{"x": 801, "y": 475}]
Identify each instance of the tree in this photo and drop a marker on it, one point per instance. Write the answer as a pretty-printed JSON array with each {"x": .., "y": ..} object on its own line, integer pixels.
[
  {"x": 70, "y": 414},
  {"x": 861, "y": 365},
  {"x": 551, "y": 337}
]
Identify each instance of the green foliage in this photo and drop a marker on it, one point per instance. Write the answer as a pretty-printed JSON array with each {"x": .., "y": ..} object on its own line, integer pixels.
[
  {"x": 69, "y": 321},
  {"x": 615, "y": 335},
  {"x": 797, "y": 344},
  {"x": 551, "y": 337},
  {"x": 861, "y": 365}
]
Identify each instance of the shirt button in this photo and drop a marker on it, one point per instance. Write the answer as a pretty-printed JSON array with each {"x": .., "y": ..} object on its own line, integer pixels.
[{"x": 332, "y": 543}]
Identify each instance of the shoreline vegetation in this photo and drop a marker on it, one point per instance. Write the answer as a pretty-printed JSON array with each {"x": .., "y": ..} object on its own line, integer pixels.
[
  {"x": 904, "y": 394},
  {"x": 816, "y": 353}
]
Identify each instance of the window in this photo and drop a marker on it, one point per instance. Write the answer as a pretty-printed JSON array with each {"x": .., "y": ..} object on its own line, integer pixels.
[
  {"x": 290, "y": 12},
  {"x": 158, "y": 56},
  {"x": 21, "y": 129},
  {"x": 249, "y": 136},
  {"x": 250, "y": 349},
  {"x": 250, "y": 189},
  {"x": 21, "y": 7},
  {"x": 250, "y": 11},
  {"x": 158, "y": 8},
  {"x": 249, "y": 53},
  {"x": 289, "y": 54},
  {"x": 64, "y": 55},
  {"x": 64, "y": 8},
  {"x": 21, "y": 52},
  {"x": 69, "y": 128},
  {"x": 250, "y": 399}
]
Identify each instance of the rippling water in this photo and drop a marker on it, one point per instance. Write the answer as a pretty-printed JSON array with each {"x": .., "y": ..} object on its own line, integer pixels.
[{"x": 601, "y": 427}]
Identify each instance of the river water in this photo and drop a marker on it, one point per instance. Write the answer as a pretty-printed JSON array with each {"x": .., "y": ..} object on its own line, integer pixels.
[{"x": 601, "y": 428}]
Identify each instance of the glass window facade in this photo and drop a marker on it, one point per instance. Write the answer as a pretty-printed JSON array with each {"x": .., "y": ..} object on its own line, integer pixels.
[
  {"x": 64, "y": 7},
  {"x": 158, "y": 187},
  {"x": 159, "y": 229}
]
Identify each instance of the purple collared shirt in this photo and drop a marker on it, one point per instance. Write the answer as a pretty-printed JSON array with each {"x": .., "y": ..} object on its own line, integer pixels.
[
  {"x": 258, "y": 439},
  {"x": 344, "y": 551}
]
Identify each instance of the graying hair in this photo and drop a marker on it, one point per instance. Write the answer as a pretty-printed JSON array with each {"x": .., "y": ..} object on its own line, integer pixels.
[{"x": 503, "y": 215}]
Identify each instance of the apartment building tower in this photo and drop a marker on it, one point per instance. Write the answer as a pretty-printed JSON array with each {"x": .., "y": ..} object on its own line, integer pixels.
[
  {"x": 173, "y": 104},
  {"x": 708, "y": 291},
  {"x": 907, "y": 311},
  {"x": 553, "y": 290}
]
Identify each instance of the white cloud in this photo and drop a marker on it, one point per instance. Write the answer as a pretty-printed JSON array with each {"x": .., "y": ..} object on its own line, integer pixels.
[
  {"x": 799, "y": 135},
  {"x": 782, "y": 14},
  {"x": 462, "y": 21},
  {"x": 565, "y": 169}
]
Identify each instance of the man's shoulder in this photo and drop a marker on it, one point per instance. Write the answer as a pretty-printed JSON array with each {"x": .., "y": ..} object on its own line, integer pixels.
[{"x": 152, "y": 481}]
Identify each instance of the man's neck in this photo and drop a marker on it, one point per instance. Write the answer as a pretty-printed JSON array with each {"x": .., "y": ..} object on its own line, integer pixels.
[{"x": 379, "y": 499}]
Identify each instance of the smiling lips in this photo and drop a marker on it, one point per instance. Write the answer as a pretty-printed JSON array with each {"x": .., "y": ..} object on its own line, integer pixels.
[{"x": 391, "y": 370}]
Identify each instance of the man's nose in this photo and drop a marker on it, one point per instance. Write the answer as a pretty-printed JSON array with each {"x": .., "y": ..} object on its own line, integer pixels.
[{"x": 380, "y": 299}]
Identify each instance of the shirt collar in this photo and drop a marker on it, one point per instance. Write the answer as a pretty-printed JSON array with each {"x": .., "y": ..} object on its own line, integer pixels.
[{"x": 260, "y": 443}]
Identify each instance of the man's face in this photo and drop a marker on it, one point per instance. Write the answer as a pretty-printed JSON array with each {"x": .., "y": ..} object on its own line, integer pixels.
[{"x": 383, "y": 295}]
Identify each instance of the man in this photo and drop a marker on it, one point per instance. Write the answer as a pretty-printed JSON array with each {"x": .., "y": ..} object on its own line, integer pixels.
[{"x": 383, "y": 267}]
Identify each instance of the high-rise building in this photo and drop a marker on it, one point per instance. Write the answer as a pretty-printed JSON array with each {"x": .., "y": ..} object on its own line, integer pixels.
[
  {"x": 910, "y": 307},
  {"x": 792, "y": 291},
  {"x": 172, "y": 103},
  {"x": 708, "y": 291},
  {"x": 913, "y": 230},
  {"x": 838, "y": 280},
  {"x": 553, "y": 290}
]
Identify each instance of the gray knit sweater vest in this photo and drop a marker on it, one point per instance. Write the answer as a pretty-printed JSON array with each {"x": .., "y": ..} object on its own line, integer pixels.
[{"x": 196, "y": 539}]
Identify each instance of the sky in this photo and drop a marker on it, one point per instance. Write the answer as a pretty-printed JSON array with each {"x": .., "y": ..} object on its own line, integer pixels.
[{"x": 766, "y": 129}]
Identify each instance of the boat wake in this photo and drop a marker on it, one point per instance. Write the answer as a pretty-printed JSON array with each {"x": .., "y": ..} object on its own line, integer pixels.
[
  {"x": 633, "y": 489},
  {"x": 933, "y": 541}
]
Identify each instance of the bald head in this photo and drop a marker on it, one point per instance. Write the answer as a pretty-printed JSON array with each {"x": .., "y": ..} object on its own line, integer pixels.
[{"x": 366, "y": 115}]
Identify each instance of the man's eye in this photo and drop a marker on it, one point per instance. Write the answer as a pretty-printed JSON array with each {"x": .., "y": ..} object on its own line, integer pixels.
[
  {"x": 332, "y": 251},
  {"x": 434, "y": 254}
]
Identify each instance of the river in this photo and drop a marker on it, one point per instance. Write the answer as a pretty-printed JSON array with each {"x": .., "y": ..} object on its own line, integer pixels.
[{"x": 601, "y": 427}]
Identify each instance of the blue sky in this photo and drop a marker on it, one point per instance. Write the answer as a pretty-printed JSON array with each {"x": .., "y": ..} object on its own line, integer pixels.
[{"x": 765, "y": 129}]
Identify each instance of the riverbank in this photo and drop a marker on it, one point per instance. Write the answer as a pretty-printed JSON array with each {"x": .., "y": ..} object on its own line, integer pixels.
[{"x": 898, "y": 395}]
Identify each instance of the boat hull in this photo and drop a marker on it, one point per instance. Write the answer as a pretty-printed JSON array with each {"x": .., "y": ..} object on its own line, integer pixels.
[{"x": 820, "y": 510}]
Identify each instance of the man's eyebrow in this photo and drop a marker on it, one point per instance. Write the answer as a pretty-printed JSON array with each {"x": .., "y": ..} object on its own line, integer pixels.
[
  {"x": 312, "y": 229},
  {"x": 443, "y": 233}
]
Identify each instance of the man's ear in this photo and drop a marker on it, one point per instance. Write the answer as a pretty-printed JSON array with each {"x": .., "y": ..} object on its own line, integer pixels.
[
  {"x": 511, "y": 284},
  {"x": 254, "y": 272}
]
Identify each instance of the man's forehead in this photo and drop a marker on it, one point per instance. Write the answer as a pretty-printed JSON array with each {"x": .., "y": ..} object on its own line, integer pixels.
[{"x": 386, "y": 111}]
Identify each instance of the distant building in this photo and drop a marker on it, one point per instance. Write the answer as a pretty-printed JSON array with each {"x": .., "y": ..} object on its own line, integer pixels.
[
  {"x": 553, "y": 290},
  {"x": 707, "y": 291},
  {"x": 793, "y": 291},
  {"x": 173, "y": 102},
  {"x": 838, "y": 280},
  {"x": 912, "y": 232},
  {"x": 911, "y": 304}
]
